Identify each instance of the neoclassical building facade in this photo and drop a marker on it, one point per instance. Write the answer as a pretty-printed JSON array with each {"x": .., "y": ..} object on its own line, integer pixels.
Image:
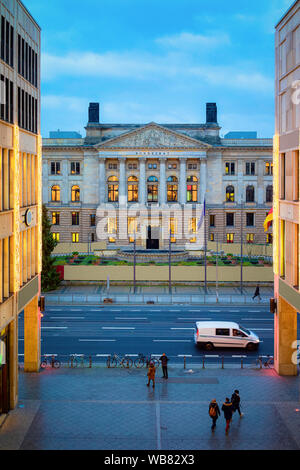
[{"x": 150, "y": 182}]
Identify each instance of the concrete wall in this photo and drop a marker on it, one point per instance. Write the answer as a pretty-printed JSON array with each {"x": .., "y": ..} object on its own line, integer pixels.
[{"x": 161, "y": 273}]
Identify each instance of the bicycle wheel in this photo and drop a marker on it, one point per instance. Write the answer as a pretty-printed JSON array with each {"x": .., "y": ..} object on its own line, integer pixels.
[
  {"x": 139, "y": 363},
  {"x": 114, "y": 363},
  {"x": 44, "y": 364},
  {"x": 126, "y": 362},
  {"x": 155, "y": 362},
  {"x": 56, "y": 364}
]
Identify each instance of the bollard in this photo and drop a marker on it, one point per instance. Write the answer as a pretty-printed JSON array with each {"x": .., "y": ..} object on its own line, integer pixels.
[
  {"x": 72, "y": 361},
  {"x": 242, "y": 364},
  {"x": 260, "y": 362},
  {"x": 203, "y": 365},
  {"x": 90, "y": 362},
  {"x": 108, "y": 362},
  {"x": 52, "y": 361},
  {"x": 184, "y": 362},
  {"x": 222, "y": 362}
]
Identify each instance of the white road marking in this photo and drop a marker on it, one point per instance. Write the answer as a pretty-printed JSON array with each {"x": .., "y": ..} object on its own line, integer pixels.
[
  {"x": 68, "y": 318},
  {"x": 54, "y": 309},
  {"x": 184, "y": 355},
  {"x": 54, "y": 327},
  {"x": 182, "y": 328},
  {"x": 193, "y": 319},
  {"x": 214, "y": 311},
  {"x": 238, "y": 356},
  {"x": 98, "y": 340},
  {"x": 212, "y": 355},
  {"x": 131, "y": 318},
  {"x": 234, "y": 311},
  {"x": 262, "y": 329},
  {"x": 117, "y": 328},
  {"x": 259, "y": 319},
  {"x": 96, "y": 310},
  {"x": 172, "y": 341}
]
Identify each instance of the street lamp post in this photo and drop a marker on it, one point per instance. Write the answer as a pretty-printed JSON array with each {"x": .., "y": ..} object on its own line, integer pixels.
[
  {"x": 241, "y": 282},
  {"x": 134, "y": 263},
  {"x": 170, "y": 279}
]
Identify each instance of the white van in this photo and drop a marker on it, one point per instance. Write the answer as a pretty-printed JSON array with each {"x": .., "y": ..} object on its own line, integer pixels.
[{"x": 215, "y": 334}]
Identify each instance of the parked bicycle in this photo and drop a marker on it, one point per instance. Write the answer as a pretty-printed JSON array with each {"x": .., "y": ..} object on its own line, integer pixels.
[
  {"x": 143, "y": 360},
  {"x": 260, "y": 362},
  {"x": 115, "y": 360},
  {"x": 76, "y": 360},
  {"x": 50, "y": 359}
]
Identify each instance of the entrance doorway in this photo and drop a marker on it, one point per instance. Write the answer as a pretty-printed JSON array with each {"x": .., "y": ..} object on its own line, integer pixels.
[{"x": 152, "y": 242}]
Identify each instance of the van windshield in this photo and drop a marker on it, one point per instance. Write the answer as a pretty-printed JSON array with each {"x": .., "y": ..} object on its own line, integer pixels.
[{"x": 245, "y": 330}]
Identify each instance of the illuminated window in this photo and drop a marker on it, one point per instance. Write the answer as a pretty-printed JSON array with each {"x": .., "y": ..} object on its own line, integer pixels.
[
  {"x": 75, "y": 237},
  {"x": 113, "y": 189},
  {"x": 229, "y": 168},
  {"x": 212, "y": 237},
  {"x": 75, "y": 194},
  {"x": 212, "y": 220},
  {"x": 192, "y": 225},
  {"x": 55, "y": 236},
  {"x": 269, "y": 238},
  {"x": 111, "y": 225},
  {"x": 230, "y": 237},
  {"x": 230, "y": 194},
  {"x": 131, "y": 225},
  {"x": 152, "y": 189},
  {"x": 133, "y": 189},
  {"x": 172, "y": 189},
  {"x": 112, "y": 240},
  {"x": 173, "y": 228},
  {"x": 250, "y": 237},
  {"x": 55, "y": 218},
  {"x": 75, "y": 168},
  {"x": 92, "y": 220},
  {"x": 192, "y": 189},
  {"x": 269, "y": 168},
  {"x": 55, "y": 168},
  {"x": 55, "y": 194}
]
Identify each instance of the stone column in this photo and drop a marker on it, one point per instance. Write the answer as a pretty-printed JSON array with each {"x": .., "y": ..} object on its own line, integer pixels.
[
  {"x": 142, "y": 181},
  {"x": 32, "y": 336},
  {"x": 46, "y": 189},
  {"x": 122, "y": 182},
  {"x": 65, "y": 195},
  {"x": 202, "y": 181},
  {"x": 162, "y": 181},
  {"x": 102, "y": 181},
  {"x": 182, "y": 181}
]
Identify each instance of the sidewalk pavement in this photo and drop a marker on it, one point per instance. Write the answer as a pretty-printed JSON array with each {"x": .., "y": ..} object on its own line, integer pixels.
[
  {"x": 113, "y": 409},
  {"x": 91, "y": 294}
]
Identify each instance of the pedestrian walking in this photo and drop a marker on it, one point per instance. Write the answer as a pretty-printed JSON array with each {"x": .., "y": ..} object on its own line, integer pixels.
[
  {"x": 164, "y": 364},
  {"x": 236, "y": 402},
  {"x": 151, "y": 374},
  {"x": 214, "y": 413},
  {"x": 228, "y": 410},
  {"x": 257, "y": 293}
]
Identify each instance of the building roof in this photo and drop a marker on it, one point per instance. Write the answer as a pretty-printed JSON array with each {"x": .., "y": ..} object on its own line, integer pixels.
[
  {"x": 241, "y": 135},
  {"x": 64, "y": 135}
]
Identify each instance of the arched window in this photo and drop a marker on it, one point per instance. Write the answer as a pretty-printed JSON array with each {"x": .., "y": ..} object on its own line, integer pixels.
[
  {"x": 192, "y": 189},
  {"x": 75, "y": 194},
  {"x": 172, "y": 185},
  {"x": 152, "y": 189},
  {"x": 269, "y": 193},
  {"x": 230, "y": 194},
  {"x": 250, "y": 194},
  {"x": 133, "y": 189},
  {"x": 113, "y": 189},
  {"x": 55, "y": 194}
]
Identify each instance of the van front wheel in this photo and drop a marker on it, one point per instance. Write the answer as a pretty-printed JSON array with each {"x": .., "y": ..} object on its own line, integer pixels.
[
  {"x": 251, "y": 347},
  {"x": 208, "y": 347}
]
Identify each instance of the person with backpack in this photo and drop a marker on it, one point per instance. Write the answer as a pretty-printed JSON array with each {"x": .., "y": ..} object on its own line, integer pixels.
[
  {"x": 257, "y": 293},
  {"x": 236, "y": 402},
  {"x": 164, "y": 365},
  {"x": 214, "y": 413},
  {"x": 151, "y": 374},
  {"x": 227, "y": 408}
]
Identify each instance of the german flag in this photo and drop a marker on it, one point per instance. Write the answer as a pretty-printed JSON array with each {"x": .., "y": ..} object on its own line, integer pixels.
[{"x": 268, "y": 221}]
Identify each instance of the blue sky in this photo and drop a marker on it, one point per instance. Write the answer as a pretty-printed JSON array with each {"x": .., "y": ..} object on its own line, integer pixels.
[{"x": 158, "y": 60}]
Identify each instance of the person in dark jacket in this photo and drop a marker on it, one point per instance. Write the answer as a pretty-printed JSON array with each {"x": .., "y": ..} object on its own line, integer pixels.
[
  {"x": 256, "y": 293},
  {"x": 164, "y": 364},
  {"x": 236, "y": 402},
  {"x": 214, "y": 413},
  {"x": 228, "y": 410}
]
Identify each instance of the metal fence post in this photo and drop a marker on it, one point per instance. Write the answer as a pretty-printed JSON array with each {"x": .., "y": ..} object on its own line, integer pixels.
[
  {"x": 90, "y": 362},
  {"x": 203, "y": 365},
  {"x": 108, "y": 361},
  {"x": 222, "y": 362},
  {"x": 184, "y": 362},
  {"x": 242, "y": 364}
]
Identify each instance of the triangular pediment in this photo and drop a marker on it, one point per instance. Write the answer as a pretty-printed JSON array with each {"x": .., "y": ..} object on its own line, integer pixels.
[{"x": 153, "y": 136}]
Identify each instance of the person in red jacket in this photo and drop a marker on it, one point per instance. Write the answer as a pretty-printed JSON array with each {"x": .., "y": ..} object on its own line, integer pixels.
[{"x": 227, "y": 408}]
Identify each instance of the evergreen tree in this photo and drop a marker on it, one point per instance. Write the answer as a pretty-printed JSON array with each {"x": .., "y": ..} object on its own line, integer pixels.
[{"x": 50, "y": 278}]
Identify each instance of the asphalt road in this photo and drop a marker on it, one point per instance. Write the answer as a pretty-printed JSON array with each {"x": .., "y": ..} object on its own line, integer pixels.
[{"x": 99, "y": 331}]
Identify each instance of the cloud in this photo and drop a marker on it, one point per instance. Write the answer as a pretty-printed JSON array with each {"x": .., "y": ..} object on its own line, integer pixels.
[{"x": 190, "y": 41}]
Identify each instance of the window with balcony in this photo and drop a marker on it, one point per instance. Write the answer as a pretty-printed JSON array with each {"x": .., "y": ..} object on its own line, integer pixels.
[
  {"x": 55, "y": 193},
  {"x": 230, "y": 194},
  {"x": 152, "y": 189},
  {"x": 113, "y": 189},
  {"x": 75, "y": 194},
  {"x": 192, "y": 189},
  {"x": 133, "y": 189},
  {"x": 172, "y": 189}
]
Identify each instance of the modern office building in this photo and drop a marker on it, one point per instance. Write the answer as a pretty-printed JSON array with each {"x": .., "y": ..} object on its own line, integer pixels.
[
  {"x": 20, "y": 194},
  {"x": 152, "y": 179},
  {"x": 286, "y": 189}
]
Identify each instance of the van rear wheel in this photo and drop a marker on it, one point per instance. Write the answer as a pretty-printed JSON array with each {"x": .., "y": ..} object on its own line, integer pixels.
[
  {"x": 208, "y": 347},
  {"x": 251, "y": 347}
]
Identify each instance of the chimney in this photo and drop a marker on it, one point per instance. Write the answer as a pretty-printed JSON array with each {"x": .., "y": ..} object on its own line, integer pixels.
[
  {"x": 94, "y": 113},
  {"x": 211, "y": 113}
]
